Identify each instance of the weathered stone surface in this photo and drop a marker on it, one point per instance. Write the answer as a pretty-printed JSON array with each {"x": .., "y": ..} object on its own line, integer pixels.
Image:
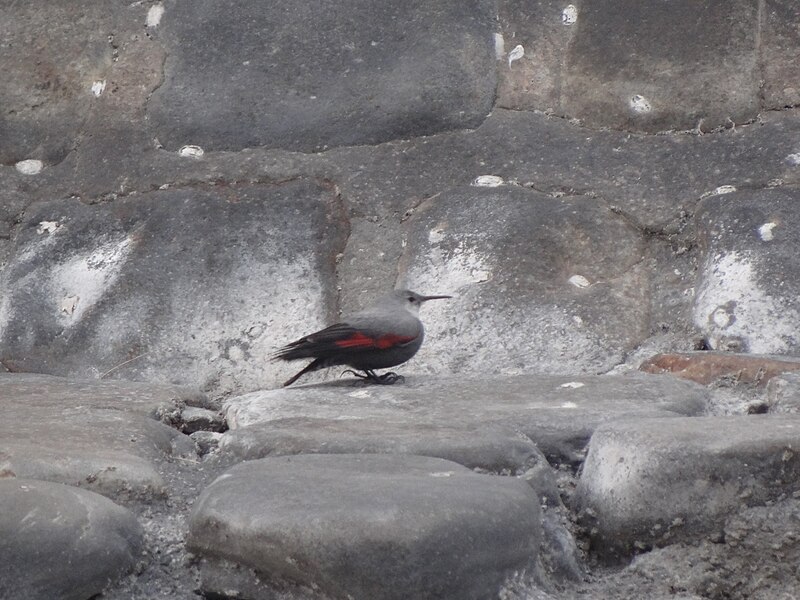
[
  {"x": 158, "y": 401},
  {"x": 653, "y": 482},
  {"x": 783, "y": 393},
  {"x": 559, "y": 278},
  {"x": 492, "y": 448},
  {"x": 544, "y": 29},
  {"x": 376, "y": 526},
  {"x": 656, "y": 66},
  {"x": 364, "y": 76},
  {"x": 200, "y": 419},
  {"x": 780, "y": 39},
  {"x": 707, "y": 367},
  {"x": 97, "y": 436},
  {"x": 176, "y": 286},
  {"x": 61, "y": 543},
  {"x": 756, "y": 558},
  {"x": 558, "y": 414},
  {"x": 749, "y": 280}
]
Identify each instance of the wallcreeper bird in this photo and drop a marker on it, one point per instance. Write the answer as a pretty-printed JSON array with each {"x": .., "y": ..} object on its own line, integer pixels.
[{"x": 386, "y": 334}]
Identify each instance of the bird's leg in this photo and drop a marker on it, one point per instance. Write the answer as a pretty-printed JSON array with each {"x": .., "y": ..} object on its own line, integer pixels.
[{"x": 372, "y": 377}]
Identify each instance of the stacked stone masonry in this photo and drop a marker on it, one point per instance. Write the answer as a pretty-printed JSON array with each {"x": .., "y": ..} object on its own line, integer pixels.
[{"x": 600, "y": 185}]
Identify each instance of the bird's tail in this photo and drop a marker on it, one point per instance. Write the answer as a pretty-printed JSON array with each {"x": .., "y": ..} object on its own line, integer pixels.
[{"x": 315, "y": 365}]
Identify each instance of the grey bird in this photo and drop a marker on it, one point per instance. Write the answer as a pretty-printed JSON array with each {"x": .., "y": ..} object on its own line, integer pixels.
[{"x": 386, "y": 334}]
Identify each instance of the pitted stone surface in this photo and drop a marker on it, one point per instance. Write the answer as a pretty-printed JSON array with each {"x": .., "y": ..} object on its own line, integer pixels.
[
  {"x": 61, "y": 543},
  {"x": 101, "y": 437},
  {"x": 652, "y": 482},
  {"x": 492, "y": 448},
  {"x": 313, "y": 75},
  {"x": 375, "y": 526},
  {"x": 542, "y": 284},
  {"x": 558, "y": 414},
  {"x": 653, "y": 67},
  {"x": 749, "y": 281},
  {"x": 155, "y": 287}
]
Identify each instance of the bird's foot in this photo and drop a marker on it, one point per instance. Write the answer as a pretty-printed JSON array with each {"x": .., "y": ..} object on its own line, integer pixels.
[{"x": 369, "y": 376}]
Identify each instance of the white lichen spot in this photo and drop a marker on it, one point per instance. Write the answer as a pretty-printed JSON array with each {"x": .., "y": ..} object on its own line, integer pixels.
[
  {"x": 488, "y": 181},
  {"x": 579, "y": 281},
  {"x": 568, "y": 405},
  {"x": 499, "y": 46},
  {"x": 436, "y": 235},
  {"x": 639, "y": 104},
  {"x": 359, "y": 394},
  {"x": 569, "y": 16},
  {"x": 765, "y": 231},
  {"x": 721, "y": 317},
  {"x": 793, "y": 159},
  {"x": 29, "y": 166},
  {"x": 191, "y": 151},
  {"x": 442, "y": 474},
  {"x": 47, "y": 227},
  {"x": 515, "y": 54},
  {"x": 572, "y": 385},
  {"x": 719, "y": 191},
  {"x": 69, "y": 303},
  {"x": 98, "y": 87},
  {"x": 154, "y": 15}
]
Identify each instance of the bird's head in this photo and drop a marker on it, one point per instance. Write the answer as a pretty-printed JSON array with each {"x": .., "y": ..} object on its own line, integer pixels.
[{"x": 411, "y": 301}]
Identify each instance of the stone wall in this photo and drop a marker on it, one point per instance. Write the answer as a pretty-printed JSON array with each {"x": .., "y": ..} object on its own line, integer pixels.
[{"x": 185, "y": 186}]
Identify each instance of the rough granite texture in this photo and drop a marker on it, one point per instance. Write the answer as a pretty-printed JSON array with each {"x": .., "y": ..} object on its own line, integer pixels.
[{"x": 185, "y": 187}]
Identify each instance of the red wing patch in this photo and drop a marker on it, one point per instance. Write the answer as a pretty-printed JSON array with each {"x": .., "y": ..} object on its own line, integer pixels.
[
  {"x": 359, "y": 340},
  {"x": 390, "y": 340}
]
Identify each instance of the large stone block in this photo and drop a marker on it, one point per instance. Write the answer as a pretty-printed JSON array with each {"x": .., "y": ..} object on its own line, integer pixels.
[
  {"x": 558, "y": 414},
  {"x": 61, "y": 543},
  {"x": 542, "y": 284},
  {"x": 749, "y": 277},
  {"x": 653, "y": 482},
  {"x": 367, "y": 526},
  {"x": 97, "y": 435},
  {"x": 780, "y": 40},
  {"x": 193, "y": 286},
  {"x": 652, "y": 66},
  {"x": 310, "y": 75}
]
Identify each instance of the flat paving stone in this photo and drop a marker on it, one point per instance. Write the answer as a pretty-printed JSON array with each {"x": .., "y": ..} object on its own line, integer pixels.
[
  {"x": 653, "y": 482},
  {"x": 557, "y": 413},
  {"x": 98, "y": 436},
  {"x": 367, "y": 526},
  {"x": 59, "y": 542}
]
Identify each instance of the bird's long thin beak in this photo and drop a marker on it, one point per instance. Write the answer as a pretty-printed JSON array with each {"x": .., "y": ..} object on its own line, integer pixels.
[{"x": 426, "y": 298}]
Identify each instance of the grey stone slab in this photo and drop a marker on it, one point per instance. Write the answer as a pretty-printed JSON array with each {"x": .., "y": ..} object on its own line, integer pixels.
[
  {"x": 158, "y": 401},
  {"x": 491, "y": 448},
  {"x": 557, "y": 413},
  {"x": 189, "y": 286},
  {"x": 780, "y": 39},
  {"x": 368, "y": 526},
  {"x": 661, "y": 66},
  {"x": 541, "y": 284},
  {"x": 99, "y": 436},
  {"x": 544, "y": 29},
  {"x": 748, "y": 281},
  {"x": 316, "y": 75},
  {"x": 52, "y": 54},
  {"x": 653, "y": 482},
  {"x": 61, "y": 543}
]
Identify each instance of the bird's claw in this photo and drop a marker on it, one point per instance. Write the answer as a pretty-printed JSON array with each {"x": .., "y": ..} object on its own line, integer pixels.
[{"x": 371, "y": 377}]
